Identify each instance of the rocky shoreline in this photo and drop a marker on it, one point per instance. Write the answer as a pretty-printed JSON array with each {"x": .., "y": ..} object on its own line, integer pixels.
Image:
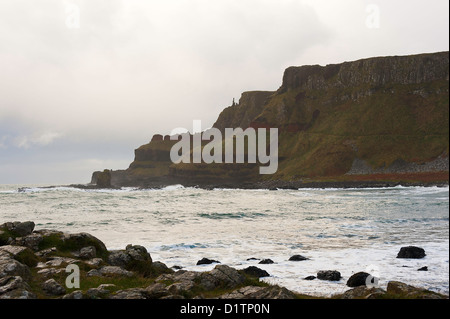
[
  {"x": 50, "y": 264},
  {"x": 273, "y": 185}
]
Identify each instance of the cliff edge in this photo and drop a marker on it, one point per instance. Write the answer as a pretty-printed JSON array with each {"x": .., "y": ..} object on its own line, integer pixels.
[{"x": 376, "y": 120}]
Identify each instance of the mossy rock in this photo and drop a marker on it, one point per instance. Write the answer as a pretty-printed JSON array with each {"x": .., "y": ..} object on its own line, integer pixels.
[
  {"x": 68, "y": 243},
  {"x": 28, "y": 258}
]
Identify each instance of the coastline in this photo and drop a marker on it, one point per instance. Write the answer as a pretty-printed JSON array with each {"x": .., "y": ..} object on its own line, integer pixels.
[
  {"x": 34, "y": 265},
  {"x": 272, "y": 185}
]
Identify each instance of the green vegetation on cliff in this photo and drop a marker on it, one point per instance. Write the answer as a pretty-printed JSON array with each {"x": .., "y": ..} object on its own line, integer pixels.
[{"x": 389, "y": 115}]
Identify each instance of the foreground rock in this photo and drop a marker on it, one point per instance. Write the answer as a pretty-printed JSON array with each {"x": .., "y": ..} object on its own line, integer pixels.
[
  {"x": 363, "y": 292},
  {"x": 252, "y": 292},
  {"x": 407, "y": 291},
  {"x": 33, "y": 265},
  {"x": 19, "y": 229},
  {"x": 256, "y": 272}
]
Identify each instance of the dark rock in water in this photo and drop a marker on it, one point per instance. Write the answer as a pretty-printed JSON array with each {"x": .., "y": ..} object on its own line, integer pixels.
[
  {"x": 206, "y": 261},
  {"x": 161, "y": 267},
  {"x": 411, "y": 252},
  {"x": 358, "y": 279},
  {"x": 176, "y": 267},
  {"x": 256, "y": 272},
  {"x": 331, "y": 275},
  {"x": 425, "y": 268},
  {"x": 298, "y": 258},
  {"x": 310, "y": 278},
  {"x": 253, "y": 258},
  {"x": 266, "y": 262}
]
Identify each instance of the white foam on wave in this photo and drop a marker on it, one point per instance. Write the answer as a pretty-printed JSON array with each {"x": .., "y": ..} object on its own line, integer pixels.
[
  {"x": 379, "y": 261},
  {"x": 48, "y": 189},
  {"x": 173, "y": 187},
  {"x": 9, "y": 191}
]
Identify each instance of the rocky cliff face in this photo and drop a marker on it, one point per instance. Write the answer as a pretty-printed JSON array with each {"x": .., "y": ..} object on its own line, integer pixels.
[
  {"x": 377, "y": 119},
  {"x": 241, "y": 115},
  {"x": 374, "y": 72}
]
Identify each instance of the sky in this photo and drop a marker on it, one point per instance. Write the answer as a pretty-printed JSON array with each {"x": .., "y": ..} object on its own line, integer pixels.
[{"x": 85, "y": 82}]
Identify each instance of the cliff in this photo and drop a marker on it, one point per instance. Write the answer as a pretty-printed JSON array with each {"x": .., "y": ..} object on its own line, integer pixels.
[{"x": 383, "y": 119}]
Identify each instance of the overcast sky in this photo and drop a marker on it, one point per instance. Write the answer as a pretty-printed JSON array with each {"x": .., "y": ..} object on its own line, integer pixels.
[{"x": 85, "y": 82}]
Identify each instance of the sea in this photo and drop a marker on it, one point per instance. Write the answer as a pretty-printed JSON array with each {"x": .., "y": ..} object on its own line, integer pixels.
[{"x": 348, "y": 230}]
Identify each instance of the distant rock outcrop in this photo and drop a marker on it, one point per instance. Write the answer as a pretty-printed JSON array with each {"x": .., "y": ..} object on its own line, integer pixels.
[{"x": 372, "y": 121}]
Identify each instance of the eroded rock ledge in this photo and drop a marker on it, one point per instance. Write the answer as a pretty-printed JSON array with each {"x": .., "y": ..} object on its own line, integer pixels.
[{"x": 33, "y": 265}]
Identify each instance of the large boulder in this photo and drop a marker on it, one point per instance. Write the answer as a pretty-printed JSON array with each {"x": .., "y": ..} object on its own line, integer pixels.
[
  {"x": 18, "y": 229},
  {"x": 75, "y": 242},
  {"x": 58, "y": 241},
  {"x": 124, "y": 258},
  {"x": 411, "y": 252},
  {"x": 221, "y": 276},
  {"x": 358, "y": 279},
  {"x": 31, "y": 241},
  {"x": 136, "y": 258},
  {"x": 255, "y": 272}
]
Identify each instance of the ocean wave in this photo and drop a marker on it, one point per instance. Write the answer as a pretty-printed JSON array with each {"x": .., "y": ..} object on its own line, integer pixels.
[
  {"x": 173, "y": 187},
  {"x": 234, "y": 215},
  {"x": 48, "y": 189},
  {"x": 181, "y": 246}
]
